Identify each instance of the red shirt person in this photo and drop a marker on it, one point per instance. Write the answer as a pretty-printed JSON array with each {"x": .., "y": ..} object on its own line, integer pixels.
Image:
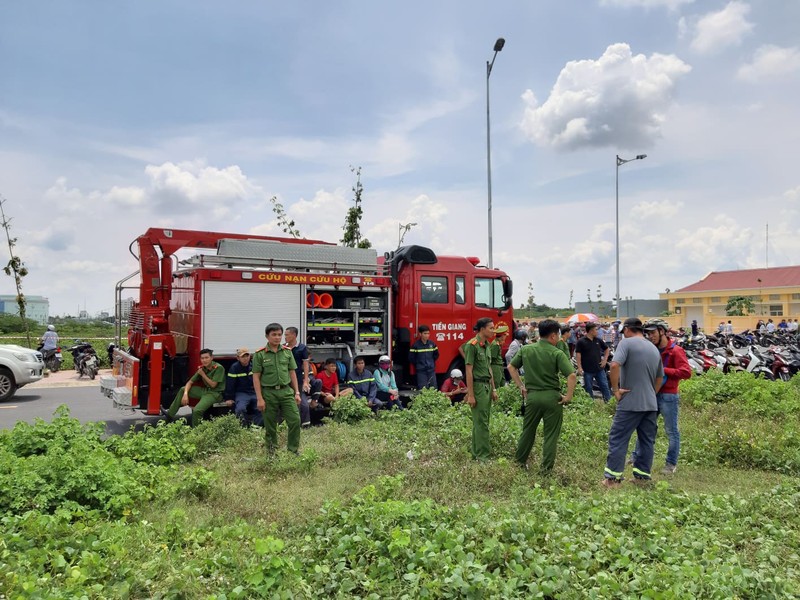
[{"x": 454, "y": 386}]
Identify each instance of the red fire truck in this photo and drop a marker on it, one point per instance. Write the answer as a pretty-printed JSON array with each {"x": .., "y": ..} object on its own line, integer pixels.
[{"x": 344, "y": 301}]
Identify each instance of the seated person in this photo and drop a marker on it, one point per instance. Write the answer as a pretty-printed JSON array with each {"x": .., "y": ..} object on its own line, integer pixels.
[
  {"x": 205, "y": 385},
  {"x": 239, "y": 391},
  {"x": 387, "y": 387},
  {"x": 454, "y": 386},
  {"x": 330, "y": 391},
  {"x": 363, "y": 385}
]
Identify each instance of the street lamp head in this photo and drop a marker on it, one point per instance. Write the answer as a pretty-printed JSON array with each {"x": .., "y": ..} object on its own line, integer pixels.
[
  {"x": 498, "y": 45},
  {"x": 641, "y": 156}
]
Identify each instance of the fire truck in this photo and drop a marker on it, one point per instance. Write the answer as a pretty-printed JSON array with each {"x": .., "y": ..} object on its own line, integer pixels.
[{"x": 345, "y": 302}]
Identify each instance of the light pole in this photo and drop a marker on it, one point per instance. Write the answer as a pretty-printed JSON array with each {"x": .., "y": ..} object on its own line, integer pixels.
[
  {"x": 402, "y": 230},
  {"x": 498, "y": 45},
  {"x": 621, "y": 161}
]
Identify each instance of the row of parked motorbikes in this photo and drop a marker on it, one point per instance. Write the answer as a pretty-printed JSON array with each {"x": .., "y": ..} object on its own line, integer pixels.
[
  {"x": 84, "y": 358},
  {"x": 772, "y": 356}
]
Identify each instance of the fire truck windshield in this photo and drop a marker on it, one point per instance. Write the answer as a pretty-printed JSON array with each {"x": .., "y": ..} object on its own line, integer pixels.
[{"x": 489, "y": 293}]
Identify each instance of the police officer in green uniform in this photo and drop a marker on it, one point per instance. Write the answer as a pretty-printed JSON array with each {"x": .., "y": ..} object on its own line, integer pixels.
[
  {"x": 542, "y": 361},
  {"x": 480, "y": 386},
  {"x": 498, "y": 364},
  {"x": 206, "y": 385},
  {"x": 275, "y": 383}
]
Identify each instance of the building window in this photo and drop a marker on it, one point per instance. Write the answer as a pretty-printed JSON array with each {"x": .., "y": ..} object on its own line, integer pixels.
[
  {"x": 776, "y": 310},
  {"x": 681, "y": 300},
  {"x": 697, "y": 300},
  {"x": 795, "y": 296},
  {"x": 716, "y": 299},
  {"x": 774, "y": 296},
  {"x": 433, "y": 290}
]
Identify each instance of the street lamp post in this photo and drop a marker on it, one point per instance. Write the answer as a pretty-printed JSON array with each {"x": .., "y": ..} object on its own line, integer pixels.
[
  {"x": 402, "y": 230},
  {"x": 498, "y": 45},
  {"x": 620, "y": 162}
]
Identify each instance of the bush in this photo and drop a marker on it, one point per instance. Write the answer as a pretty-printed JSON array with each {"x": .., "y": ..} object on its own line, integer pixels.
[
  {"x": 66, "y": 465},
  {"x": 350, "y": 409},
  {"x": 429, "y": 401},
  {"x": 759, "y": 396}
]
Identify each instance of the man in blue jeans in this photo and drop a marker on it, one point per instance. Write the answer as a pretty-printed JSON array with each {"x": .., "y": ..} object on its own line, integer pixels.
[
  {"x": 676, "y": 367},
  {"x": 636, "y": 374},
  {"x": 591, "y": 355},
  {"x": 239, "y": 391}
]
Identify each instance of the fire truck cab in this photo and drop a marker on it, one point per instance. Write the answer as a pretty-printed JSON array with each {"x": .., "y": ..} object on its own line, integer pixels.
[{"x": 345, "y": 302}]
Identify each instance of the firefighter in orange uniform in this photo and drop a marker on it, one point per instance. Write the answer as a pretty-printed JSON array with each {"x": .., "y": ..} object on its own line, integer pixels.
[{"x": 275, "y": 383}]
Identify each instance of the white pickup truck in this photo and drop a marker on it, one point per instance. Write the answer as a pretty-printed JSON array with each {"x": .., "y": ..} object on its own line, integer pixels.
[{"x": 18, "y": 366}]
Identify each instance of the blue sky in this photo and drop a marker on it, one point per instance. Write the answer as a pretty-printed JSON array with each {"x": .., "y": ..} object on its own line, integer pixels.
[{"x": 115, "y": 117}]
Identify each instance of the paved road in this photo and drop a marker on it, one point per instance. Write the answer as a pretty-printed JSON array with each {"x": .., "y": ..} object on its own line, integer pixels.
[{"x": 86, "y": 404}]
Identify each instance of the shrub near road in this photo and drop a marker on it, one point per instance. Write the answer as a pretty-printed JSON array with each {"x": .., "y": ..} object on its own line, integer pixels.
[{"x": 392, "y": 507}]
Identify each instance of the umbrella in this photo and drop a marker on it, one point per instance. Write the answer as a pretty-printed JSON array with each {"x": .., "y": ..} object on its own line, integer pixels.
[{"x": 582, "y": 318}]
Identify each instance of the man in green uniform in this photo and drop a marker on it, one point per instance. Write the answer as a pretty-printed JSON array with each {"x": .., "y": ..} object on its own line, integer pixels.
[
  {"x": 480, "y": 386},
  {"x": 275, "y": 383},
  {"x": 206, "y": 385},
  {"x": 562, "y": 345},
  {"x": 498, "y": 364},
  {"x": 543, "y": 362}
]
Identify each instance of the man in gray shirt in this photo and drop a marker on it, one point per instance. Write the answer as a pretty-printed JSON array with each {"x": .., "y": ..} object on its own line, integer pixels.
[{"x": 636, "y": 374}]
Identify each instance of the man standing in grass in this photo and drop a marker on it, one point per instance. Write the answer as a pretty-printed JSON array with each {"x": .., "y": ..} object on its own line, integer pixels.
[
  {"x": 636, "y": 374},
  {"x": 275, "y": 382},
  {"x": 498, "y": 364},
  {"x": 676, "y": 368},
  {"x": 206, "y": 386},
  {"x": 542, "y": 362},
  {"x": 480, "y": 386}
]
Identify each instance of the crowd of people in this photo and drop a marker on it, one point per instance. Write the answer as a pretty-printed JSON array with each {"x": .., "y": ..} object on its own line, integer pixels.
[
  {"x": 276, "y": 382},
  {"x": 644, "y": 374}
]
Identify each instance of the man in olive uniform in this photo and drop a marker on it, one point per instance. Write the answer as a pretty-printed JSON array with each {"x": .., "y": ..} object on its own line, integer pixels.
[
  {"x": 501, "y": 330},
  {"x": 542, "y": 361},
  {"x": 206, "y": 385},
  {"x": 275, "y": 383},
  {"x": 480, "y": 386}
]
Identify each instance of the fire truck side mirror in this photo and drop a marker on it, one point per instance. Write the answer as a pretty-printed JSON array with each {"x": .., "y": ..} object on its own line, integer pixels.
[{"x": 508, "y": 293}]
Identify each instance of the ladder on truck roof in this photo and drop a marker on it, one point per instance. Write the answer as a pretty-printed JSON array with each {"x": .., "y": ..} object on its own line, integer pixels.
[{"x": 277, "y": 255}]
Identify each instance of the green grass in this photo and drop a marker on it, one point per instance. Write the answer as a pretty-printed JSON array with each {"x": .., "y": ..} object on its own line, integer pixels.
[{"x": 353, "y": 516}]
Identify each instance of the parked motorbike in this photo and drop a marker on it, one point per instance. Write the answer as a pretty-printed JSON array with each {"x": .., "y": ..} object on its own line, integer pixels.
[
  {"x": 780, "y": 363},
  {"x": 85, "y": 359},
  {"x": 758, "y": 364},
  {"x": 52, "y": 358}
]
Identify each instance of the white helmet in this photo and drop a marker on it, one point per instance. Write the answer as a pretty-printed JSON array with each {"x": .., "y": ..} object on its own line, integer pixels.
[
  {"x": 456, "y": 374},
  {"x": 51, "y": 328}
]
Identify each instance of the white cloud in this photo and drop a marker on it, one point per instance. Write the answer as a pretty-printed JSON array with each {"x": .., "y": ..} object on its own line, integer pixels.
[
  {"x": 126, "y": 196},
  {"x": 725, "y": 245},
  {"x": 176, "y": 188},
  {"x": 770, "y": 62},
  {"x": 647, "y": 211},
  {"x": 717, "y": 30},
  {"x": 792, "y": 195},
  {"x": 670, "y": 4},
  {"x": 618, "y": 100},
  {"x": 429, "y": 219}
]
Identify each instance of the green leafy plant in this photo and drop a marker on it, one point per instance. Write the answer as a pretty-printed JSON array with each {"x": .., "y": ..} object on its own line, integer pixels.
[{"x": 350, "y": 409}]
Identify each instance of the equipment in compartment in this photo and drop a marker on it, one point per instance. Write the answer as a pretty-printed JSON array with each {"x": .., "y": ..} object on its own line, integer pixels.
[
  {"x": 354, "y": 303},
  {"x": 373, "y": 303},
  {"x": 355, "y": 319}
]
